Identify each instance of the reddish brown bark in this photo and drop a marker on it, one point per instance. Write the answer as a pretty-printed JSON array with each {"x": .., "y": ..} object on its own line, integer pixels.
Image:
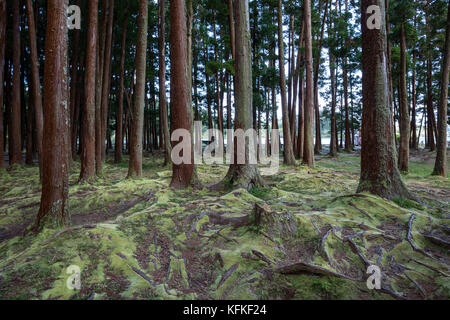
[
  {"x": 88, "y": 149},
  {"x": 135, "y": 165},
  {"x": 180, "y": 116},
  {"x": 54, "y": 207},
  {"x": 14, "y": 132}
]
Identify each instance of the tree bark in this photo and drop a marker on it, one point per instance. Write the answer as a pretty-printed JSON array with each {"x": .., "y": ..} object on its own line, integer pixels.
[
  {"x": 242, "y": 175},
  {"x": 107, "y": 78},
  {"x": 162, "y": 83},
  {"x": 88, "y": 149},
  {"x": 440, "y": 167},
  {"x": 14, "y": 132},
  {"x": 308, "y": 147},
  {"x": 3, "y": 17},
  {"x": 405, "y": 126},
  {"x": 99, "y": 88},
  {"x": 37, "y": 97},
  {"x": 289, "y": 158},
  {"x": 54, "y": 207},
  {"x": 135, "y": 165},
  {"x": 119, "y": 117},
  {"x": 379, "y": 171},
  {"x": 181, "y": 118}
]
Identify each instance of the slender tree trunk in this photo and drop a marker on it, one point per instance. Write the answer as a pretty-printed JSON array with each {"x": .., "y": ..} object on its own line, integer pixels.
[
  {"x": 414, "y": 139},
  {"x": 162, "y": 83},
  {"x": 88, "y": 149},
  {"x": 405, "y": 129},
  {"x": 135, "y": 166},
  {"x": 119, "y": 118},
  {"x": 15, "y": 131},
  {"x": 232, "y": 32},
  {"x": 99, "y": 80},
  {"x": 107, "y": 78},
  {"x": 333, "y": 141},
  {"x": 308, "y": 148},
  {"x": 54, "y": 207},
  {"x": 37, "y": 97},
  {"x": 3, "y": 17},
  {"x": 379, "y": 171},
  {"x": 430, "y": 110},
  {"x": 181, "y": 117},
  {"x": 440, "y": 167},
  {"x": 289, "y": 158}
]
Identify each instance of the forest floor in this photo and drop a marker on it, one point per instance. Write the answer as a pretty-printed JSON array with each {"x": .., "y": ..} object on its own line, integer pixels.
[{"x": 308, "y": 236}]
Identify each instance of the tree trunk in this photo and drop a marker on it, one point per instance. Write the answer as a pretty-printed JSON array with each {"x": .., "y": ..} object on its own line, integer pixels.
[
  {"x": 405, "y": 129},
  {"x": 289, "y": 158},
  {"x": 333, "y": 141},
  {"x": 379, "y": 171},
  {"x": 88, "y": 149},
  {"x": 135, "y": 165},
  {"x": 162, "y": 83},
  {"x": 232, "y": 32},
  {"x": 440, "y": 167},
  {"x": 119, "y": 117},
  {"x": 3, "y": 17},
  {"x": 106, "y": 78},
  {"x": 15, "y": 132},
  {"x": 54, "y": 207},
  {"x": 37, "y": 97},
  {"x": 308, "y": 147},
  {"x": 180, "y": 116},
  {"x": 242, "y": 175},
  {"x": 98, "y": 94}
]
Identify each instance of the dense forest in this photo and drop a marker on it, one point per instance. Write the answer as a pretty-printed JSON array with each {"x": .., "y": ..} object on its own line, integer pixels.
[{"x": 104, "y": 104}]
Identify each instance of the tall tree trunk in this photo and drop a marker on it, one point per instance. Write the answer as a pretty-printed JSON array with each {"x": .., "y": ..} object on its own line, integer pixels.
[
  {"x": 414, "y": 139},
  {"x": 54, "y": 207},
  {"x": 119, "y": 117},
  {"x": 88, "y": 149},
  {"x": 162, "y": 83},
  {"x": 405, "y": 126},
  {"x": 333, "y": 141},
  {"x": 348, "y": 144},
  {"x": 73, "y": 89},
  {"x": 98, "y": 94},
  {"x": 15, "y": 131},
  {"x": 181, "y": 117},
  {"x": 37, "y": 97},
  {"x": 289, "y": 158},
  {"x": 430, "y": 110},
  {"x": 308, "y": 147},
  {"x": 107, "y": 78},
  {"x": 242, "y": 175},
  {"x": 232, "y": 31},
  {"x": 318, "y": 136},
  {"x": 440, "y": 167},
  {"x": 3, "y": 17},
  {"x": 135, "y": 166},
  {"x": 379, "y": 171}
]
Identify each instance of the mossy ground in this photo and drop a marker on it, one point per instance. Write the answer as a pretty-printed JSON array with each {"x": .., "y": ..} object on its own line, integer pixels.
[{"x": 137, "y": 239}]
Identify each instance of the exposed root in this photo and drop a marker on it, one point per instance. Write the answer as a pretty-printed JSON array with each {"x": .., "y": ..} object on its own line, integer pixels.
[{"x": 301, "y": 267}]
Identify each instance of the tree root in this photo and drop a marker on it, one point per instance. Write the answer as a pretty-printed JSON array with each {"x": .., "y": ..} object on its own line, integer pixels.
[{"x": 301, "y": 267}]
